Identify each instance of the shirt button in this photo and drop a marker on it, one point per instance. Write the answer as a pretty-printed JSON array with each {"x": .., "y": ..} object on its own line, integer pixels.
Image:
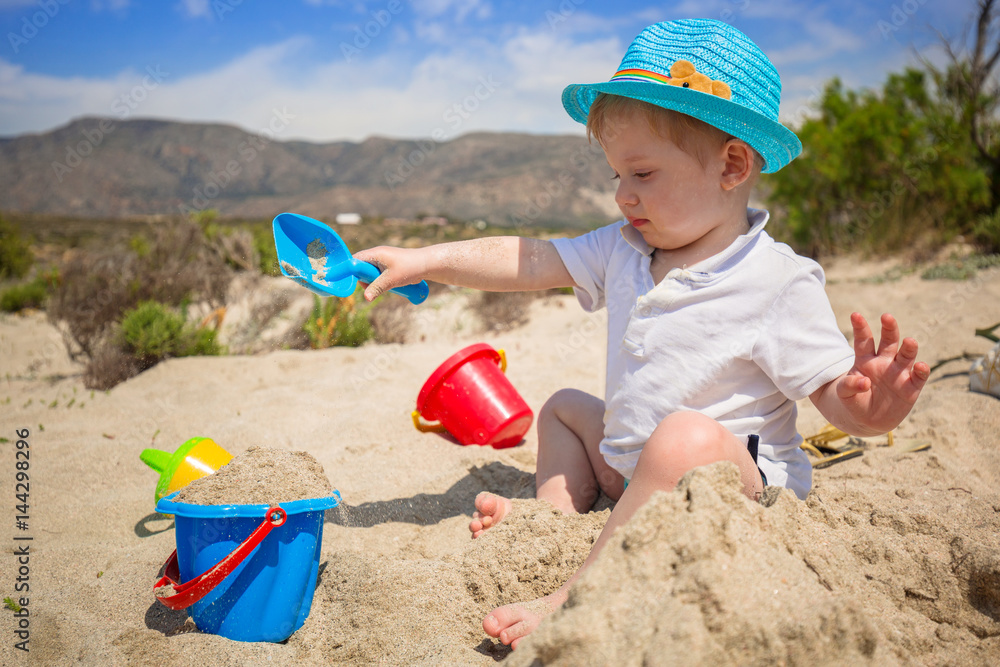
[{"x": 645, "y": 311}]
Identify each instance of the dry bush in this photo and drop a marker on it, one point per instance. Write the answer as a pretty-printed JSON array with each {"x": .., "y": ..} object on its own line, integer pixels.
[
  {"x": 109, "y": 365},
  {"x": 175, "y": 266},
  {"x": 180, "y": 265},
  {"x": 263, "y": 305},
  {"x": 95, "y": 290},
  {"x": 502, "y": 311},
  {"x": 236, "y": 248}
]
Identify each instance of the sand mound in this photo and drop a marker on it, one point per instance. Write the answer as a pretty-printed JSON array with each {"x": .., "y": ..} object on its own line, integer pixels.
[
  {"x": 260, "y": 475},
  {"x": 893, "y": 558},
  {"x": 704, "y": 576},
  {"x": 366, "y": 604},
  {"x": 531, "y": 553}
]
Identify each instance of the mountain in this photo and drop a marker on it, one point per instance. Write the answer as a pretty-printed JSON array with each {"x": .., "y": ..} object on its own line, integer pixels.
[{"x": 110, "y": 168}]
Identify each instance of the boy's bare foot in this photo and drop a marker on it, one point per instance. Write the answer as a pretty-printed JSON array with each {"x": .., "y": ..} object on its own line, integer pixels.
[
  {"x": 513, "y": 622},
  {"x": 490, "y": 510}
]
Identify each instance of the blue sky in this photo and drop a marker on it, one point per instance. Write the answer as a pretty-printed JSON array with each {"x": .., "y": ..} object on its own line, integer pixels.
[{"x": 338, "y": 69}]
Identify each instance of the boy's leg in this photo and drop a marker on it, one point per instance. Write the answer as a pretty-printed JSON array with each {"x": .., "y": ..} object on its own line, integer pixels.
[
  {"x": 686, "y": 440},
  {"x": 570, "y": 468},
  {"x": 683, "y": 441}
]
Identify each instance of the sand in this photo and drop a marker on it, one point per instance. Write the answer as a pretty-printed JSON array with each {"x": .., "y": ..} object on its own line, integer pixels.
[
  {"x": 260, "y": 475},
  {"x": 893, "y": 559}
]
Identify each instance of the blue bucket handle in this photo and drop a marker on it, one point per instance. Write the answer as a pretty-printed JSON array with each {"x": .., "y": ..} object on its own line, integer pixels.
[{"x": 181, "y": 596}]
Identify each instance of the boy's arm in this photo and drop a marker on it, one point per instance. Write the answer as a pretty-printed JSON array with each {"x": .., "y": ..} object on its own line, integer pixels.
[
  {"x": 877, "y": 394},
  {"x": 496, "y": 264}
]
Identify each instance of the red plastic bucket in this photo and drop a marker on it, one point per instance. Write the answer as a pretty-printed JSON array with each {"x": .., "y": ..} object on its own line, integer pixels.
[{"x": 473, "y": 400}]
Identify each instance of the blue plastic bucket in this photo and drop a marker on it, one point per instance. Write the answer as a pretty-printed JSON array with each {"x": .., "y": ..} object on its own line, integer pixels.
[{"x": 267, "y": 597}]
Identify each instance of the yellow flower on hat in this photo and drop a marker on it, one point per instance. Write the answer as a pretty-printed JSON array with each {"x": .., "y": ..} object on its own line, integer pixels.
[{"x": 684, "y": 74}]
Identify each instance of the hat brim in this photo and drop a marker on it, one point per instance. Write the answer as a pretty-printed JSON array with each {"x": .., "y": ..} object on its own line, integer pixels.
[{"x": 776, "y": 143}]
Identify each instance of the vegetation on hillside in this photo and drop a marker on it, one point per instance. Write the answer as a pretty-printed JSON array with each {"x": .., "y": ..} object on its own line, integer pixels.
[
  {"x": 123, "y": 302},
  {"x": 15, "y": 252},
  {"x": 912, "y": 165},
  {"x": 909, "y": 166}
]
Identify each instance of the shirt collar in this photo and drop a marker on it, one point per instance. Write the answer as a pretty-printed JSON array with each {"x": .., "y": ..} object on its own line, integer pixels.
[{"x": 757, "y": 218}]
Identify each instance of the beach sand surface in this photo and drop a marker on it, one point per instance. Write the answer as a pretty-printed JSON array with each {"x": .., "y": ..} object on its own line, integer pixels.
[{"x": 893, "y": 559}]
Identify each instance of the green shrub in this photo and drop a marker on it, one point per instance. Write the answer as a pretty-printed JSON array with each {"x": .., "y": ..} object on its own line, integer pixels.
[
  {"x": 19, "y": 297},
  {"x": 961, "y": 269},
  {"x": 15, "y": 253},
  {"x": 263, "y": 243},
  {"x": 29, "y": 295},
  {"x": 175, "y": 264},
  {"x": 880, "y": 171},
  {"x": 986, "y": 232},
  {"x": 140, "y": 245},
  {"x": 339, "y": 322},
  {"x": 146, "y": 335},
  {"x": 152, "y": 332}
]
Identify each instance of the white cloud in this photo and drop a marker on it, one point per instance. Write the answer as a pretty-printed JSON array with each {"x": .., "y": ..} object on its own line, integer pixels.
[
  {"x": 458, "y": 9},
  {"x": 433, "y": 32},
  {"x": 476, "y": 85},
  {"x": 43, "y": 101},
  {"x": 480, "y": 82},
  {"x": 196, "y": 8}
]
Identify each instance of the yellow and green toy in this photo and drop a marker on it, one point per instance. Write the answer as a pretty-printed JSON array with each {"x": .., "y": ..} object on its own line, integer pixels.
[{"x": 196, "y": 458}]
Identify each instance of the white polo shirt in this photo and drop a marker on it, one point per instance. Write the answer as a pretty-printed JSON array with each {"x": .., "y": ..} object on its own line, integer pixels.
[{"x": 738, "y": 337}]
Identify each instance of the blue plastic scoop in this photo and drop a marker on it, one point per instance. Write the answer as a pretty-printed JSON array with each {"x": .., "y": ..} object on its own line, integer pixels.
[{"x": 314, "y": 256}]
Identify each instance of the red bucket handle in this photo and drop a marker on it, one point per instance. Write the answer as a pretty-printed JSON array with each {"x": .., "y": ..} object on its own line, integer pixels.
[{"x": 186, "y": 594}]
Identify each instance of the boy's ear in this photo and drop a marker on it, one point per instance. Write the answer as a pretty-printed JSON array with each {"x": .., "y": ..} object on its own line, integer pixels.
[{"x": 737, "y": 163}]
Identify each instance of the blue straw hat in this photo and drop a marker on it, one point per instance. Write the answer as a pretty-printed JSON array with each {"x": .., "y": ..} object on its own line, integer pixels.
[{"x": 706, "y": 69}]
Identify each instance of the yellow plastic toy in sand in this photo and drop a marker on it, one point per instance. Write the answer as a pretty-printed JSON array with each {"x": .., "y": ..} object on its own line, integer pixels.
[
  {"x": 820, "y": 445},
  {"x": 196, "y": 458}
]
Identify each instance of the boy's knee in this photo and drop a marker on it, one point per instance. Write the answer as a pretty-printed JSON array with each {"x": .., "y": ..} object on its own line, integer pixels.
[
  {"x": 560, "y": 401},
  {"x": 690, "y": 434}
]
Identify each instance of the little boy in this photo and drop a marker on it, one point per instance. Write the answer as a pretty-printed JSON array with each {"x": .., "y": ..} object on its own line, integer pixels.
[{"x": 714, "y": 330}]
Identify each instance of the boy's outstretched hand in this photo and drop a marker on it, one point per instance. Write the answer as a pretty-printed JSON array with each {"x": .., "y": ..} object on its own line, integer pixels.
[{"x": 878, "y": 393}]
